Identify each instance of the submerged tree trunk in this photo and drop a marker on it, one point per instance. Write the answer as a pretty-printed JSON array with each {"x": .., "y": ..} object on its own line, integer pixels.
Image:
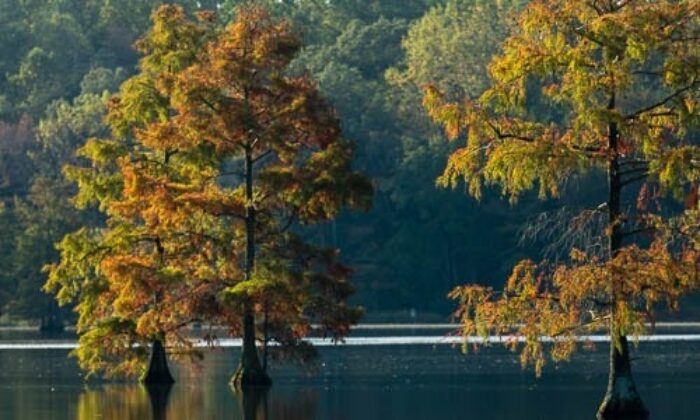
[
  {"x": 250, "y": 372},
  {"x": 52, "y": 321},
  {"x": 621, "y": 399},
  {"x": 157, "y": 372},
  {"x": 51, "y": 324},
  {"x": 266, "y": 339}
]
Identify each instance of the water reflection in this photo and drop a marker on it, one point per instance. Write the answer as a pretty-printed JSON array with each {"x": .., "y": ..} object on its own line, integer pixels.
[
  {"x": 158, "y": 394},
  {"x": 114, "y": 403},
  {"x": 368, "y": 383},
  {"x": 118, "y": 402},
  {"x": 303, "y": 405},
  {"x": 253, "y": 403},
  {"x": 258, "y": 404}
]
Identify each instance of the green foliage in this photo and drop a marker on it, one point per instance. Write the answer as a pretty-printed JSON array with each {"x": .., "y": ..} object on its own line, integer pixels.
[
  {"x": 215, "y": 156},
  {"x": 415, "y": 244},
  {"x": 399, "y": 264},
  {"x": 100, "y": 79},
  {"x": 44, "y": 217},
  {"x": 16, "y": 140},
  {"x": 505, "y": 147},
  {"x": 56, "y": 70},
  {"x": 626, "y": 109},
  {"x": 452, "y": 44},
  {"x": 8, "y": 233}
]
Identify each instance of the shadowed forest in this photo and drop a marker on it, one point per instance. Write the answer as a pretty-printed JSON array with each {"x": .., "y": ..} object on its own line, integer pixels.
[
  {"x": 284, "y": 169},
  {"x": 62, "y": 60}
]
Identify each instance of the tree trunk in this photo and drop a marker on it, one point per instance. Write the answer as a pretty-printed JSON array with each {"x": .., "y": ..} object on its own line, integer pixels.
[
  {"x": 52, "y": 321},
  {"x": 250, "y": 372},
  {"x": 157, "y": 372},
  {"x": 158, "y": 395},
  {"x": 50, "y": 324},
  {"x": 266, "y": 339},
  {"x": 621, "y": 399}
]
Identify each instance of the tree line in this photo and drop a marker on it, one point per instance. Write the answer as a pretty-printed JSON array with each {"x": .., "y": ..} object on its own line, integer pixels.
[
  {"x": 369, "y": 62},
  {"x": 212, "y": 186}
]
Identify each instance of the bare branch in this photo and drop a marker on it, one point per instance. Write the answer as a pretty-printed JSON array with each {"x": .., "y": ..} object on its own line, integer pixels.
[
  {"x": 263, "y": 155},
  {"x": 634, "y": 179},
  {"x": 662, "y": 102},
  {"x": 643, "y": 170},
  {"x": 638, "y": 231}
]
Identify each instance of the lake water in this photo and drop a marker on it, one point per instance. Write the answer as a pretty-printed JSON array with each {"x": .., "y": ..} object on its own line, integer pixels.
[{"x": 374, "y": 379}]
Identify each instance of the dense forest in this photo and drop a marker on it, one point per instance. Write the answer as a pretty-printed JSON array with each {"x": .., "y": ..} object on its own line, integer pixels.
[
  {"x": 62, "y": 60},
  {"x": 281, "y": 169}
]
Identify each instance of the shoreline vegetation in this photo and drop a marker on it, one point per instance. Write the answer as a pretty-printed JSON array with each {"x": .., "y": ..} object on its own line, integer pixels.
[
  {"x": 384, "y": 326},
  {"x": 175, "y": 175}
]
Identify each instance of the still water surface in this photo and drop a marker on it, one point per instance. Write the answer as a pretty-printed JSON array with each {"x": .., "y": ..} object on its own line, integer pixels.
[{"x": 407, "y": 381}]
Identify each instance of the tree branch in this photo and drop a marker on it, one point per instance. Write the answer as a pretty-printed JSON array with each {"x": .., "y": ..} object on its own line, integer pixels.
[
  {"x": 662, "y": 102},
  {"x": 634, "y": 179},
  {"x": 635, "y": 162},
  {"x": 209, "y": 105},
  {"x": 262, "y": 155},
  {"x": 634, "y": 171},
  {"x": 638, "y": 231}
]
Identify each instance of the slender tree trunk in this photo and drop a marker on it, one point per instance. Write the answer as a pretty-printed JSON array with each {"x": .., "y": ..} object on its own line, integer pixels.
[
  {"x": 250, "y": 371},
  {"x": 158, "y": 372},
  {"x": 266, "y": 339},
  {"x": 622, "y": 401},
  {"x": 52, "y": 321}
]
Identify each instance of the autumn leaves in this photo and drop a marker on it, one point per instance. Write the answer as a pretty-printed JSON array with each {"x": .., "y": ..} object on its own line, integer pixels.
[{"x": 217, "y": 156}]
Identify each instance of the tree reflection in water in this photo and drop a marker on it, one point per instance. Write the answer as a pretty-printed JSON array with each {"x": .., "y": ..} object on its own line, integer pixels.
[
  {"x": 114, "y": 402},
  {"x": 253, "y": 402},
  {"x": 158, "y": 394},
  {"x": 191, "y": 401},
  {"x": 264, "y": 404}
]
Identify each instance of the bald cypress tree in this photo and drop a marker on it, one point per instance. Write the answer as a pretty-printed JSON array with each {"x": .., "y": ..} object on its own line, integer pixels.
[
  {"x": 623, "y": 79},
  {"x": 217, "y": 154}
]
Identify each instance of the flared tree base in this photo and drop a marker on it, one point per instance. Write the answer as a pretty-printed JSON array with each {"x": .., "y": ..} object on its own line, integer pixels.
[
  {"x": 618, "y": 406},
  {"x": 248, "y": 377},
  {"x": 157, "y": 372}
]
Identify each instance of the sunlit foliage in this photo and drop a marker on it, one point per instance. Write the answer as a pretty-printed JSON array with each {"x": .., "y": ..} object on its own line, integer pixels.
[
  {"x": 623, "y": 79},
  {"x": 211, "y": 116},
  {"x": 452, "y": 44}
]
